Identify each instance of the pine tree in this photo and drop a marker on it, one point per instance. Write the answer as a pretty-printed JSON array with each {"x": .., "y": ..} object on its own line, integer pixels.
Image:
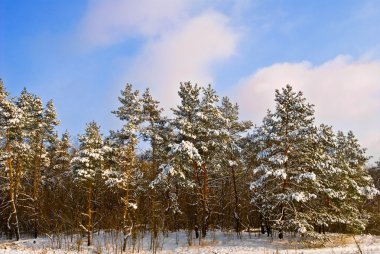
[
  {"x": 231, "y": 142},
  {"x": 130, "y": 112},
  {"x": 57, "y": 186},
  {"x": 285, "y": 172},
  {"x": 121, "y": 175},
  {"x": 209, "y": 121},
  {"x": 185, "y": 162},
  {"x": 373, "y": 206},
  {"x": 154, "y": 121},
  {"x": 59, "y": 160},
  {"x": 32, "y": 107},
  {"x": 49, "y": 123},
  {"x": 157, "y": 132},
  {"x": 326, "y": 206},
  {"x": 87, "y": 169},
  {"x": 11, "y": 148},
  {"x": 354, "y": 181}
]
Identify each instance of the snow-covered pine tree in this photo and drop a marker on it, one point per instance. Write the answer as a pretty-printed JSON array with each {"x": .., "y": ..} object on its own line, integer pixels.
[
  {"x": 49, "y": 123},
  {"x": 87, "y": 166},
  {"x": 154, "y": 128},
  {"x": 12, "y": 150},
  {"x": 48, "y": 138},
  {"x": 57, "y": 186},
  {"x": 59, "y": 161},
  {"x": 186, "y": 114},
  {"x": 209, "y": 120},
  {"x": 325, "y": 208},
  {"x": 157, "y": 132},
  {"x": 354, "y": 181},
  {"x": 125, "y": 171},
  {"x": 40, "y": 126},
  {"x": 32, "y": 107},
  {"x": 342, "y": 183},
  {"x": 284, "y": 177},
  {"x": 182, "y": 171},
  {"x": 122, "y": 176},
  {"x": 373, "y": 207},
  {"x": 186, "y": 156},
  {"x": 231, "y": 152}
]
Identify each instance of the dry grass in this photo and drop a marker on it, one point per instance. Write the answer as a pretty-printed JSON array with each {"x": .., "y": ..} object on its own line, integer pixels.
[
  {"x": 339, "y": 240},
  {"x": 324, "y": 241}
]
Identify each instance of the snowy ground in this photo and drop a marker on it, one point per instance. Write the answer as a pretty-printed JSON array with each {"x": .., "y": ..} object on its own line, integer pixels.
[{"x": 218, "y": 243}]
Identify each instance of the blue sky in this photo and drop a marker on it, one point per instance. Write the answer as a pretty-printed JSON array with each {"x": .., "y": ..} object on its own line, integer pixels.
[{"x": 81, "y": 53}]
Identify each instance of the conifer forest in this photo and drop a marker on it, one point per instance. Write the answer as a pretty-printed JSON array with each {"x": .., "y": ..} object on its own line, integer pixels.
[{"x": 195, "y": 169}]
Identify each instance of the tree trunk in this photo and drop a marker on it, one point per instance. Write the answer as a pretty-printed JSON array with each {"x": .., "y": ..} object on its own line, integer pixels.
[
  {"x": 89, "y": 213},
  {"x": 127, "y": 170},
  {"x": 125, "y": 220},
  {"x": 206, "y": 211},
  {"x": 12, "y": 198},
  {"x": 286, "y": 167},
  {"x": 36, "y": 188},
  {"x": 196, "y": 193},
  {"x": 236, "y": 210}
]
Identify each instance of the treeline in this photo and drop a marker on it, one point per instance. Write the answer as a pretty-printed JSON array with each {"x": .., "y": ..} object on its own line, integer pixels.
[{"x": 204, "y": 170}]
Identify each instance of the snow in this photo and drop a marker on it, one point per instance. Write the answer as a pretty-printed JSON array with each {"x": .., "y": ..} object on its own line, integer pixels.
[
  {"x": 368, "y": 191},
  {"x": 308, "y": 175},
  {"x": 302, "y": 197},
  {"x": 232, "y": 163},
  {"x": 177, "y": 242},
  {"x": 188, "y": 149},
  {"x": 278, "y": 159},
  {"x": 132, "y": 205},
  {"x": 302, "y": 230},
  {"x": 280, "y": 173}
]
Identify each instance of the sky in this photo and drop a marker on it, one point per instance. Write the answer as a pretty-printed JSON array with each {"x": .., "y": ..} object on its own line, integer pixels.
[{"x": 82, "y": 53}]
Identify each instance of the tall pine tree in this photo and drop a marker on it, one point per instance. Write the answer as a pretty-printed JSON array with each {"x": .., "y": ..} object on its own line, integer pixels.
[
  {"x": 88, "y": 169},
  {"x": 285, "y": 172}
]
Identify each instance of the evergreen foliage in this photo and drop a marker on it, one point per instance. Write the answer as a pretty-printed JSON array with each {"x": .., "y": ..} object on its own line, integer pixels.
[{"x": 201, "y": 169}]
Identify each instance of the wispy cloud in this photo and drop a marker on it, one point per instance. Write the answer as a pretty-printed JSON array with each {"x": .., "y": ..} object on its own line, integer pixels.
[
  {"x": 185, "y": 54},
  {"x": 114, "y": 21},
  {"x": 181, "y": 41}
]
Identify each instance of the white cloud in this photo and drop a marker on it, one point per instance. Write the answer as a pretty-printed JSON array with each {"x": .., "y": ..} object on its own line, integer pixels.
[
  {"x": 111, "y": 21},
  {"x": 184, "y": 54},
  {"x": 346, "y": 94},
  {"x": 179, "y": 43}
]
